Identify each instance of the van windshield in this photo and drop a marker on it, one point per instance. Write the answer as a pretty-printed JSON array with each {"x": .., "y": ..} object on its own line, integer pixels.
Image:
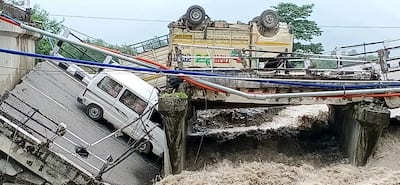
[
  {"x": 133, "y": 102},
  {"x": 157, "y": 118},
  {"x": 110, "y": 86}
]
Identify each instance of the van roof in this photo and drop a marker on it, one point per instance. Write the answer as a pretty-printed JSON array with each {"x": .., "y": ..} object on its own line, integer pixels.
[{"x": 131, "y": 81}]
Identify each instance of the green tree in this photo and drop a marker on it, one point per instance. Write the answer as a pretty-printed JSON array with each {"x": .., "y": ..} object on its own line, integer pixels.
[
  {"x": 304, "y": 30},
  {"x": 41, "y": 18}
]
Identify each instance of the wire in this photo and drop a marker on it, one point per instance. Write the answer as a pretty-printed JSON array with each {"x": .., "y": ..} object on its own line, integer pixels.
[
  {"x": 96, "y": 64},
  {"x": 5, "y": 74},
  {"x": 359, "y": 27},
  {"x": 190, "y": 73},
  {"x": 83, "y": 34},
  {"x": 110, "y": 18},
  {"x": 27, "y": 69},
  {"x": 9, "y": 151},
  {"x": 55, "y": 72},
  {"x": 163, "y": 21}
]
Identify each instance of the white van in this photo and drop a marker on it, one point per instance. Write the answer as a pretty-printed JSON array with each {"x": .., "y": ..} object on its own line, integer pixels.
[{"x": 120, "y": 97}]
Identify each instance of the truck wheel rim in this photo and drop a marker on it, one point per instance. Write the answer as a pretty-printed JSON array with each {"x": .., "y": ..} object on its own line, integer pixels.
[
  {"x": 270, "y": 19},
  {"x": 195, "y": 15}
]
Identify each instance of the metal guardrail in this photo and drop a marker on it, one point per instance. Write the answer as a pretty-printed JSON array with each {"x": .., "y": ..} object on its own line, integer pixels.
[
  {"x": 151, "y": 44},
  {"x": 45, "y": 129},
  {"x": 365, "y": 49}
]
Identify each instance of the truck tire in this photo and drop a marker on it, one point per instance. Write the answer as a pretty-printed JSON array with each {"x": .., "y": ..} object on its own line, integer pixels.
[
  {"x": 174, "y": 81},
  {"x": 195, "y": 15},
  {"x": 269, "y": 19},
  {"x": 94, "y": 112},
  {"x": 145, "y": 147}
]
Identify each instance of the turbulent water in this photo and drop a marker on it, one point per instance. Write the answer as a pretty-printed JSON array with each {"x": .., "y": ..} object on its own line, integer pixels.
[{"x": 278, "y": 166}]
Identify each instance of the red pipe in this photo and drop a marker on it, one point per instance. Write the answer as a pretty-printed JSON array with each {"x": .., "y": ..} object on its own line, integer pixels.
[
  {"x": 9, "y": 21},
  {"x": 188, "y": 79},
  {"x": 151, "y": 62}
]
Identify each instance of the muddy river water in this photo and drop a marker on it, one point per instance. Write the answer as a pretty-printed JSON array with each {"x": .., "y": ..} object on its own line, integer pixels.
[{"x": 295, "y": 146}]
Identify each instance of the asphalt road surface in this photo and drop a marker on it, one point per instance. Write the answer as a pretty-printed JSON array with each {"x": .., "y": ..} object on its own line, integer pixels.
[{"x": 54, "y": 93}]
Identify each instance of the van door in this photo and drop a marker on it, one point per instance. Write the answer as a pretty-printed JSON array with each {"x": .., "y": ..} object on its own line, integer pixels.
[
  {"x": 129, "y": 107},
  {"x": 105, "y": 93}
]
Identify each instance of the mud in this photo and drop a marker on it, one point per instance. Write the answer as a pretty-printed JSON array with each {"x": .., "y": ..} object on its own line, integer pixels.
[{"x": 304, "y": 154}]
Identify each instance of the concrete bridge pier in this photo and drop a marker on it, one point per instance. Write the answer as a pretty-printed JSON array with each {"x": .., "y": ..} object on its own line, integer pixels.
[
  {"x": 15, "y": 66},
  {"x": 174, "y": 107},
  {"x": 358, "y": 127}
]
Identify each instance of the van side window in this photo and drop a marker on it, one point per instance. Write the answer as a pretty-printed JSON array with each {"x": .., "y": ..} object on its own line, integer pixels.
[
  {"x": 133, "y": 102},
  {"x": 110, "y": 86}
]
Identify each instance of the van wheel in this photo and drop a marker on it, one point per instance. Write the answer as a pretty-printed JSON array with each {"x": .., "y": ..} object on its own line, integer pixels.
[
  {"x": 94, "y": 112},
  {"x": 145, "y": 147}
]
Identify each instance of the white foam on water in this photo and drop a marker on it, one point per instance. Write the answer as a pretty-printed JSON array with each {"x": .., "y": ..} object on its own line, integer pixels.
[{"x": 382, "y": 168}]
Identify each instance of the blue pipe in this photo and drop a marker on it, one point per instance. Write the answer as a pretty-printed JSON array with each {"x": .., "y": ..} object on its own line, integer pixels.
[
  {"x": 303, "y": 84},
  {"x": 11, "y": 18},
  {"x": 104, "y": 65}
]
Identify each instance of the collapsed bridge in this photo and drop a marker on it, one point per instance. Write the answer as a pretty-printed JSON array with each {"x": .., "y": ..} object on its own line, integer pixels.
[{"x": 356, "y": 96}]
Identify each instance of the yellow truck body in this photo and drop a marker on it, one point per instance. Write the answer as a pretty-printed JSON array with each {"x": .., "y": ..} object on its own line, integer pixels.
[{"x": 222, "y": 45}]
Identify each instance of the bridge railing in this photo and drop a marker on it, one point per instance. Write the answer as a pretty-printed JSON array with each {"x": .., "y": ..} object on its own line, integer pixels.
[
  {"x": 151, "y": 44},
  {"x": 47, "y": 131},
  {"x": 59, "y": 139},
  {"x": 368, "y": 51}
]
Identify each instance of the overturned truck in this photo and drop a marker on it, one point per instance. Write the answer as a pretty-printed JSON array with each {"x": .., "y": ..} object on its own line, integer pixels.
[{"x": 196, "y": 41}]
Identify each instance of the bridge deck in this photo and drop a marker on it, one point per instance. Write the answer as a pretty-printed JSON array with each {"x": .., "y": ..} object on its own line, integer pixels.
[
  {"x": 224, "y": 100},
  {"x": 54, "y": 94}
]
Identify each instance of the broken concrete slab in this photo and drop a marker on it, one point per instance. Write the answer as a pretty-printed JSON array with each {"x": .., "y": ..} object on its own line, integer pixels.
[
  {"x": 8, "y": 168},
  {"x": 38, "y": 159}
]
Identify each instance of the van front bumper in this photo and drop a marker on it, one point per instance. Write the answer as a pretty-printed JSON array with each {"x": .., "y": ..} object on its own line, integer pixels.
[{"x": 79, "y": 99}]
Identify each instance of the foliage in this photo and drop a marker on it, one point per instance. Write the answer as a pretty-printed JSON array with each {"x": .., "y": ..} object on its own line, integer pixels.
[
  {"x": 41, "y": 19},
  {"x": 303, "y": 29},
  {"x": 308, "y": 48},
  {"x": 78, "y": 52},
  {"x": 127, "y": 49}
]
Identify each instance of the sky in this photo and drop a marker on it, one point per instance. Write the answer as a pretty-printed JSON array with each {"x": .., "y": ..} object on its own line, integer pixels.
[{"x": 326, "y": 13}]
